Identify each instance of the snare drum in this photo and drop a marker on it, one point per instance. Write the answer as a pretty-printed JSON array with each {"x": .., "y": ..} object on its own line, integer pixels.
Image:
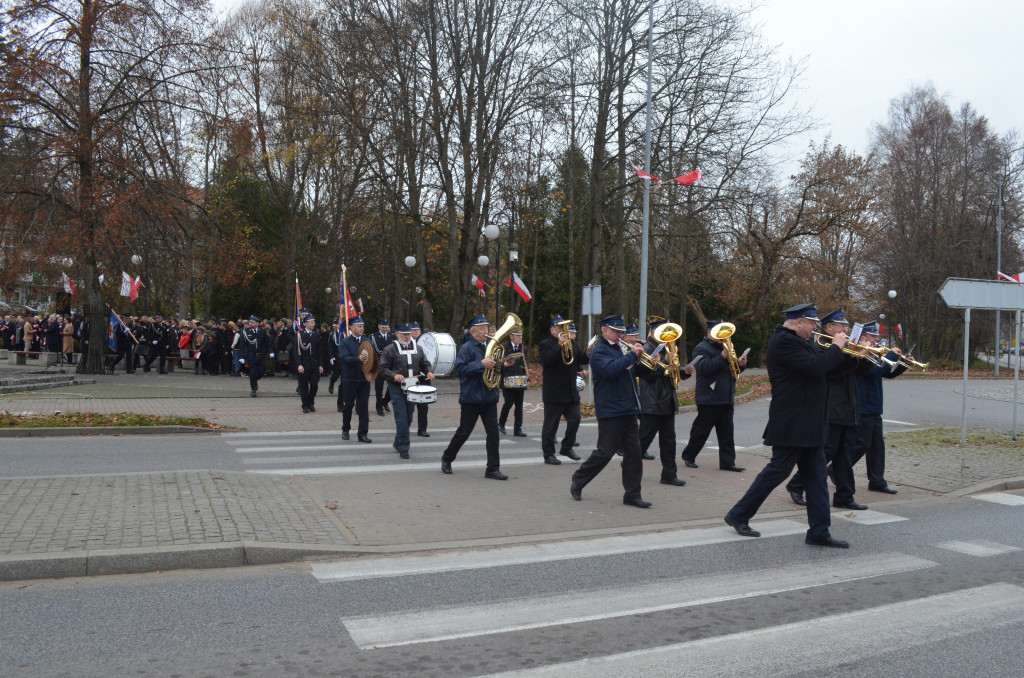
[
  {"x": 441, "y": 350},
  {"x": 421, "y": 394},
  {"x": 518, "y": 381}
]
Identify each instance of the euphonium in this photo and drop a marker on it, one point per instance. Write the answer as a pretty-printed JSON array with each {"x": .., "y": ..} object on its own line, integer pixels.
[
  {"x": 566, "y": 346},
  {"x": 668, "y": 333},
  {"x": 723, "y": 332},
  {"x": 496, "y": 351}
]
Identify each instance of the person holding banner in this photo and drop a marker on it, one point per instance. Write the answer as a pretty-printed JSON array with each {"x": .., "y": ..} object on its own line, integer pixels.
[
  {"x": 355, "y": 389},
  {"x": 307, "y": 351}
]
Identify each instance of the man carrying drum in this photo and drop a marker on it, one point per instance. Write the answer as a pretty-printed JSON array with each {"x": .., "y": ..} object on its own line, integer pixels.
[
  {"x": 401, "y": 363},
  {"x": 513, "y": 385}
]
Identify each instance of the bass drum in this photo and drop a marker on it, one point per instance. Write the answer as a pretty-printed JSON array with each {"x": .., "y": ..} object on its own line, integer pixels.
[{"x": 440, "y": 349}]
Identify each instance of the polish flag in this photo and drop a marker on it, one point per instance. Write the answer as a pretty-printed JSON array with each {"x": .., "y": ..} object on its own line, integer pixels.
[
  {"x": 1012, "y": 278},
  {"x": 519, "y": 286},
  {"x": 643, "y": 174},
  {"x": 69, "y": 285},
  {"x": 690, "y": 178},
  {"x": 899, "y": 331},
  {"x": 133, "y": 291},
  {"x": 479, "y": 284}
]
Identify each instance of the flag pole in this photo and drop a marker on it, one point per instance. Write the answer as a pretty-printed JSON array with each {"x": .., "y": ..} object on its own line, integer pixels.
[{"x": 345, "y": 299}]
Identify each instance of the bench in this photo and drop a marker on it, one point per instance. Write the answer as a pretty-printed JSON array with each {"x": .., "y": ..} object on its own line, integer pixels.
[{"x": 19, "y": 357}]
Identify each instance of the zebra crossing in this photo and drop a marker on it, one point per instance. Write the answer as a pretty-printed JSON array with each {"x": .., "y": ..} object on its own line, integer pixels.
[
  {"x": 880, "y": 629},
  {"x": 324, "y": 452}
]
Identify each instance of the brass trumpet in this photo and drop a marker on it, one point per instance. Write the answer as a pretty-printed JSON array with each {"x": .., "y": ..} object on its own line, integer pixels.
[
  {"x": 910, "y": 362},
  {"x": 861, "y": 351}
]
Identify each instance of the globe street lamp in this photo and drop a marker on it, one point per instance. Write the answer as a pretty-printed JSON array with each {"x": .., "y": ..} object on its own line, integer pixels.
[{"x": 410, "y": 262}]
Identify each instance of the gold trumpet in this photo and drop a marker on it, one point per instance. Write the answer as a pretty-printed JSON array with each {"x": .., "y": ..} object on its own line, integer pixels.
[
  {"x": 910, "y": 362},
  {"x": 566, "y": 346},
  {"x": 861, "y": 351}
]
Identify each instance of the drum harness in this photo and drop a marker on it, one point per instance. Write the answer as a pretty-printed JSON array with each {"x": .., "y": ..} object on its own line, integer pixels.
[{"x": 409, "y": 355}]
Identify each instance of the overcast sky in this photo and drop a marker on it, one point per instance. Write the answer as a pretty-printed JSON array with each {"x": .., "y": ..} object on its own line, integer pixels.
[{"x": 861, "y": 55}]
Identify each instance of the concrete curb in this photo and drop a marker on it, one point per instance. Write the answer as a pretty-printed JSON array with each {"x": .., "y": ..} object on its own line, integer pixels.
[
  {"x": 57, "y": 431},
  {"x": 990, "y": 486},
  {"x": 137, "y": 561}
]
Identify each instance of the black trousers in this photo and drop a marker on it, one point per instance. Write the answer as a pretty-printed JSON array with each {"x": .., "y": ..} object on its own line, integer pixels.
[
  {"x": 719, "y": 418},
  {"x": 421, "y": 417},
  {"x": 488, "y": 414},
  {"x": 870, "y": 443},
  {"x": 309, "y": 382},
  {"x": 552, "y": 414},
  {"x": 355, "y": 393},
  {"x": 615, "y": 433},
  {"x": 512, "y": 398},
  {"x": 811, "y": 462},
  {"x": 663, "y": 426},
  {"x": 378, "y": 387},
  {"x": 257, "y": 368},
  {"x": 336, "y": 376},
  {"x": 162, "y": 354},
  {"x": 837, "y": 454}
]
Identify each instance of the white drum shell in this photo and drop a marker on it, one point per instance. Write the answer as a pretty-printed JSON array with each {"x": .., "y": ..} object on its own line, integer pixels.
[
  {"x": 440, "y": 350},
  {"x": 421, "y": 394}
]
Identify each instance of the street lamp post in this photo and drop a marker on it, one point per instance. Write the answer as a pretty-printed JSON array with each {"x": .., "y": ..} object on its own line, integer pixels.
[
  {"x": 410, "y": 262},
  {"x": 491, "y": 232}
]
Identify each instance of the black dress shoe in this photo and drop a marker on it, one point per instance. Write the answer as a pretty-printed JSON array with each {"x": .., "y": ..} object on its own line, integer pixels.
[
  {"x": 387, "y": 408},
  {"x": 365, "y": 439},
  {"x": 883, "y": 490},
  {"x": 834, "y": 543},
  {"x": 734, "y": 467},
  {"x": 495, "y": 475},
  {"x": 501, "y": 429},
  {"x": 572, "y": 455},
  {"x": 422, "y": 434},
  {"x": 330, "y": 388},
  {"x": 312, "y": 409},
  {"x": 341, "y": 409},
  {"x": 446, "y": 467},
  {"x": 576, "y": 492},
  {"x": 690, "y": 464},
  {"x": 648, "y": 456},
  {"x": 305, "y": 410},
  {"x": 637, "y": 502},
  {"x": 575, "y": 444},
  {"x": 519, "y": 434},
  {"x": 673, "y": 481},
  {"x": 380, "y": 411},
  {"x": 344, "y": 435},
  {"x": 797, "y": 498},
  {"x": 849, "y": 505},
  {"x": 743, "y": 529},
  {"x": 404, "y": 454},
  {"x": 554, "y": 461},
  {"x": 253, "y": 394}
]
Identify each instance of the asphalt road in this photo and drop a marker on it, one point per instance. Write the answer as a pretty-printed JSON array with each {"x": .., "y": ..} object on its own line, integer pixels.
[
  {"x": 909, "y": 403},
  {"x": 935, "y": 588}
]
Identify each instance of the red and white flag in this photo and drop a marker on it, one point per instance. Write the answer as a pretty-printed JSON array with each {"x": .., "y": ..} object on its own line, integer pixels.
[
  {"x": 881, "y": 330},
  {"x": 133, "y": 291},
  {"x": 694, "y": 177},
  {"x": 479, "y": 284},
  {"x": 899, "y": 331},
  {"x": 1012, "y": 278},
  {"x": 519, "y": 286},
  {"x": 643, "y": 175},
  {"x": 126, "y": 284},
  {"x": 69, "y": 285}
]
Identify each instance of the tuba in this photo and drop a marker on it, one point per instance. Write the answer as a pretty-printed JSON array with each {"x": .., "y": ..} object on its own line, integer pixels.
[
  {"x": 668, "y": 333},
  {"x": 496, "y": 351},
  {"x": 722, "y": 332}
]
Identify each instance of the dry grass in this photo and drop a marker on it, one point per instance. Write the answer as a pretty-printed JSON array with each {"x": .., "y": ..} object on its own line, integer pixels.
[{"x": 91, "y": 419}]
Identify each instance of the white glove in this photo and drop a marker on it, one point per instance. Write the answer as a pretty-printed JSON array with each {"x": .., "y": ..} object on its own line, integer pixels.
[
  {"x": 271, "y": 355},
  {"x": 332, "y": 361},
  {"x": 154, "y": 341}
]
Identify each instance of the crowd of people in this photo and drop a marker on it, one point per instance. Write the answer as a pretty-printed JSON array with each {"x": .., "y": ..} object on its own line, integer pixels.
[{"x": 36, "y": 334}]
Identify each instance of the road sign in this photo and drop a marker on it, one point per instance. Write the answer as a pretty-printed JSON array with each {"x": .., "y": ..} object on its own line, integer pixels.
[{"x": 982, "y": 295}]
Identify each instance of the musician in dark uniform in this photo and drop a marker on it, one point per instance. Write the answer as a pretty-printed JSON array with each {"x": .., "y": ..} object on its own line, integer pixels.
[
  {"x": 355, "y": 389},
  {"x": 512, "y": 396},
  {"x": 869, "y": 442},
  {"x": 714, "y": 394},
  {"x": 255, "y": 349},
  {"x": 616, "y": 404},
  {"x": 308, "y": 355},
  {"x": 659, "y": 405},
  {"x": 334, "y": 357},
  {"x": 402, "y": 360},
  {"x": 796, "y": 429},
  {"x": 380, "y": 339},
  {"x": 421, "y": 408},
  {"x": 843, "y": 420},
  {"x": 475, "y": 400},
  {"x": 559, "y": 392}
]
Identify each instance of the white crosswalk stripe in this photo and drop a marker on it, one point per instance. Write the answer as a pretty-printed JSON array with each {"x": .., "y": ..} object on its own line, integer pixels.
[
  {"x": 778, "y": 649},
  {"x": 542, "y": 611},
  {"x": 978, "y": 547},
  {"x": 868, "y": 517},
  {"x": 1004, "y": 498},
  {"x": 371, "y": 568}
]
